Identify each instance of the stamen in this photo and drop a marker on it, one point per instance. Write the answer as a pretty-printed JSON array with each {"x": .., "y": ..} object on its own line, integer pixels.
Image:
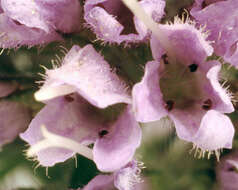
[
  {"x": 207, "y": 105},
  {"x": 204, "y": 4},
  {"x": 201, "y": 153},
  {"x": 169, "y": 105},
  {"x": 233, "y": 167},
  {"x": 69, "y": 98},
  {"x": 102, "y": 133},
  {"x": 47, "y": 93},
  {"x": 165, "y": 59},
  {"x": 1, "y": 51},
  {"x": 56, "y": 141},
  {"x": 193, "y": 67}
]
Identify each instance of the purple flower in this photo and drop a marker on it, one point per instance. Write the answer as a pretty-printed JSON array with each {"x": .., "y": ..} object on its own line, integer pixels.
[
  {"x": 80, "y": 119},
  {"x": 126, "y": 178},
  {"x": 71, "y": 123},
  {"x": 13, "y": 35},
  {"x": 227, "y": 172},
  {"x": 36, "y": 22},
  {"x": 112, "y": 21},
  {"x": 182, "y": 85},
  {"x": 85, "y": 71},
  {"x": 220, "y": 19}
]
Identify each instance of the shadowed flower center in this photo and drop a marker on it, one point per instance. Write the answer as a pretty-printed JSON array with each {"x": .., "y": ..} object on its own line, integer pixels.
[{"x": 181, "y": 85}]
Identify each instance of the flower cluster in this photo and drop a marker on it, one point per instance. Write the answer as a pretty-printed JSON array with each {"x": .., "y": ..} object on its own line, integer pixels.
[
  {"x": 37, "y": 22},
  {"x": 91, "y": 111}
]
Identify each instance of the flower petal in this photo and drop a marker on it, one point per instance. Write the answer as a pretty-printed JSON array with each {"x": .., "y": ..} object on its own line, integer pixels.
[
  {"x": 25, "y": 12},
  {"x": 99, "y": 182},
  {"x": 62, "y": 15},
  {"x": 187, "y": 43},
  {"x": 14, "y": 35},
  {"x": 127, "y": 177},
  {"x": 69, "y": 116},
  {"x": 222, "y": 102},
  {"x": 216, "y": 132},
  {"x": 117, "y": 18},
  {"x": 117, "y": 148},
  {"x": 220, "y": 19},
  {"x": 155, "y": 9},
  {"x": 147, "y": 98},
  {"x": 85, "y": 71},
  {"x": 105, "y": 26}
]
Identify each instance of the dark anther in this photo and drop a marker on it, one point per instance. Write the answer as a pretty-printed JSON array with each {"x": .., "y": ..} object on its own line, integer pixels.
[
  {"x": 68, "y": 98},
  {"x": 231, "y": 169},
  {"x": 165, "y": 59},
  {"x": 204, "y": 4},
  {"x": 102, "y": 133},
  {"x": 207, "y": 104},
  {"x": 193, "y": 67},
  {"x": 169, "y": 105},
  {"x": 17, "y": 23}
]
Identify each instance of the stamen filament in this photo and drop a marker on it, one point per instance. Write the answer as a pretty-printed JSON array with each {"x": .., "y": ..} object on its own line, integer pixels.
[
  {"x": 52, "y": 140},
  {"x": 47, "y": 93}
]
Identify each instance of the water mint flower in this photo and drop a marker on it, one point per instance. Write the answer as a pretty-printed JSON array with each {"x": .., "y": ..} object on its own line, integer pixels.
[
  {"x": 185, "y": 87},
  {"x": 220, "y": 19},
  {"x": 112, "y": 21},
  {"x": 61, "y": 15},
  {"x": 36, "y": 22},
  {"x": 227, "y": 172},
  {"x": 84, "y": 71},
  {"x": 126, "y": 178},
  {"x": 71, "y": 123},
  {"x": 13, "y": 35}
]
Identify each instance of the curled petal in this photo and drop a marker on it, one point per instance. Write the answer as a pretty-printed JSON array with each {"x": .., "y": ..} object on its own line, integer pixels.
[
  {"x": 216, "y": 132},
  {"x": 104, "y": 182},
  {"x": 69, "y": 117},
  {"x": 155, "y": 9},
  {"x": 13, "y": 35},
  {"x": 105, "y": 26},
  {"x": 25, "y": 12},
  {"x": 187, "y": 43},
  {"x": 86, "y": 72},
  {"x": 117, "y": 148},
  {"x": 222, "y": 25},
  {"x": 119, "y": 19},
  {"x": 147, "y": 98},
  {"x": 60, "y": 15},
  {"x": 222, "y": 101}
]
